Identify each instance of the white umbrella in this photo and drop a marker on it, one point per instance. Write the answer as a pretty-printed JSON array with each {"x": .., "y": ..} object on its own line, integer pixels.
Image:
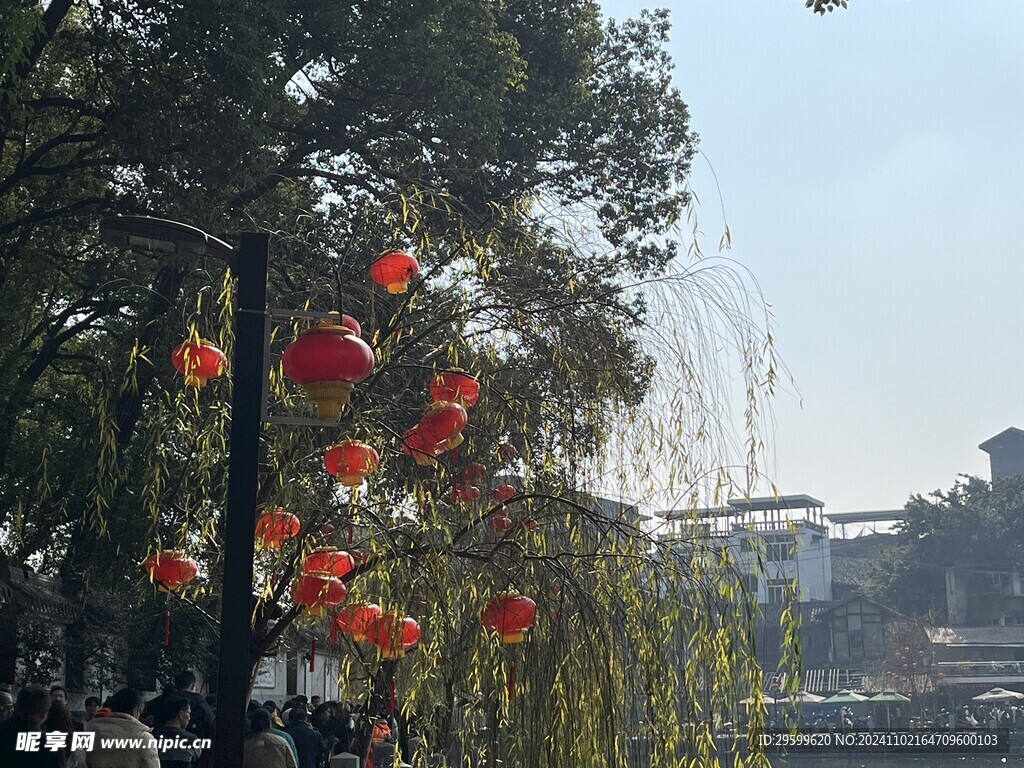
[{"x": 997, "y": 694}]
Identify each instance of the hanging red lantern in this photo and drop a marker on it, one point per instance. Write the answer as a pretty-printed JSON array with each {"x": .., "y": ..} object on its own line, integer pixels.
[
  {"x": 394, "y": 269},
  {"x": 329, "y": 560},
  {"x": 500, "y": 522},
  {"x": 198, "y": 362},
  {"x": 528, "y": 523},
  {"x": 417, "y": 444},
  {"x": 510, "y": 615},
  {"x": 474, "y": 472},
  {"x": 455, "y": 386},
  {"x": 443, "y": 424},
  {"x": 503, "y": 493},
  {"x": 351, "y": 462},
  {"x": 318, "y": 592},
  {"x": 347, "y": 321},
  {"x": 393, "y": 636},
  {"x": 464, "y": 494},
  {"x": 170, "y": 569},
  {"x": 357, "y": 618},
  {"x": 274, "y": 528},
  {"x": 327, "y": 529},
  {"x": 327, "y": 361}
]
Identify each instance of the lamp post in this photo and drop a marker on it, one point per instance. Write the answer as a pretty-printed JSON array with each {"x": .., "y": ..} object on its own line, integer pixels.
[{"x": 249, "y": 265}]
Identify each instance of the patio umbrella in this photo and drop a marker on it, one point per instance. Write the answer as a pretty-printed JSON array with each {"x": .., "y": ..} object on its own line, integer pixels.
[
  {"x": 888, "y": 698},
  {"x": 847, "y": 697},
  {"x": 997, "y": 694},
  {"x": 803, "y": 697},
  {"x": 766, "y": 699}
]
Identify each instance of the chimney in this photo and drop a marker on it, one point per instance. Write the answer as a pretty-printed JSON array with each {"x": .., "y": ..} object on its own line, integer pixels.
[{"x": 1005, "y": 453}]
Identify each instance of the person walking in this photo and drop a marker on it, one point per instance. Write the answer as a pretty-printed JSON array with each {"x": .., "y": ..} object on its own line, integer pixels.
[
  {"x": 92, "y": 704},
  {"x": 172, "y": 716},
  {"x": 122, "y": 722},
  {"x": 30, "y": 711},
  {"x": 60, "y": 720},
  {"x": 262, "y": 749},
  {"x": 6, "y": 705},
  {"x": 308, "y": 741}
]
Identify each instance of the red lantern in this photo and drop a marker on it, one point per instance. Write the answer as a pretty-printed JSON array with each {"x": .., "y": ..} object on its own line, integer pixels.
[
  {"x": 393, "y": 636},
  {"x": 357, "y": 618},
  {"x": 510, "y": 615},
  {"x": 327, "y": 529},
  {"x": 528, "y": 523},
  {"x": 329, "y": 560},
  {"x": 327, "y": 361},
  {"x": 170, "y": 569},
  {"x": 351, "y": 462},
  {"x": 474, "y": 472},
  {"x": 417, "y": 444},
  {"x": 318, "y": 592},
  {"x": 274, "y": 528},
  {"x": 394, "y": 270},
  {"x": 464, "y": 494},
  {"x": 503, "y": 493},
  {"x": 455, "y": 386},
  {"x": 500, "y": 523},
  {"x": 198, "y": 361},
  {"x": 347, "y": 321},
  {"x": 443, "y": 424}
]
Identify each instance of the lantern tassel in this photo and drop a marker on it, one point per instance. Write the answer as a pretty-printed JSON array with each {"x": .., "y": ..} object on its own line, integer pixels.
[
  {"x": 334, "y": 631},
  {"x": 351, "y": 532},
  {"x": 391, "y": 702},
  {"x": 312, "y": 654},
  {"x": 167, "y": 628},
  {"x": 511, "y": 681}
]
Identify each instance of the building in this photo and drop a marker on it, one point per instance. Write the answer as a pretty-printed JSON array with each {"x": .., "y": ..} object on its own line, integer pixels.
[
  {"x": 782, "y": 543},
  {"x": 1005, "y": 453}
]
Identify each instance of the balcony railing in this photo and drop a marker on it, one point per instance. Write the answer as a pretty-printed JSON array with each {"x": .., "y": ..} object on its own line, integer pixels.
[{"x": 981, "y": 668}]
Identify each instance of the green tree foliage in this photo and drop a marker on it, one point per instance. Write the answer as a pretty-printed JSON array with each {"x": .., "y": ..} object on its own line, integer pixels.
[
  {"x": 974, "y": 524},
  {"x": 533, "y": 156}
]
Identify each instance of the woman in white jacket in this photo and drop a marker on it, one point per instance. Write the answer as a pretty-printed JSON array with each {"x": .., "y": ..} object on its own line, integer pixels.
[{"x": 122, "y": 740}]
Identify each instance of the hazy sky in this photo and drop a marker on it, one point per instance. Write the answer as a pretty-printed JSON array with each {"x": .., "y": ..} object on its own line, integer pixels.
[{"x": 871, "y": 164}]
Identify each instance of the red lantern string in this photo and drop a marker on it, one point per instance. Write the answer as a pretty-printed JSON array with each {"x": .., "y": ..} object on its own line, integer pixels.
[
  {"x": 312, "y": 654},
  {"x": 511, "y": 681},
  {"x": 391, "y": 703},
  {"x": 351, "y": 532}
]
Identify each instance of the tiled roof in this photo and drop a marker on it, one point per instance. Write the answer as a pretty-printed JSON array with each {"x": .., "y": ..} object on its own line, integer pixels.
[
  {"x": 36, "y": 595},
  {"x": 851, "y": 570},
  {"x": 990, "y": 635}
]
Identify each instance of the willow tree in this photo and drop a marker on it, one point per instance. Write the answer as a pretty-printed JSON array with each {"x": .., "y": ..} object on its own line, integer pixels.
[{"x": 534, "y": 159}]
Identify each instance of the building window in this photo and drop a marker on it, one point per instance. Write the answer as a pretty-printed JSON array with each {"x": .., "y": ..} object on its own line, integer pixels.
[
  {"x": 777, "y": 591},
  {"x": 779, "y": 551},
  {"x": 856, "y": 645},
  {"x": 750, "y": 583}
]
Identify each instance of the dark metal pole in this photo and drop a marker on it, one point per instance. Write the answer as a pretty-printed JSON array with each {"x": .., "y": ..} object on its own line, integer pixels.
[{"x": 243, "y": 481}]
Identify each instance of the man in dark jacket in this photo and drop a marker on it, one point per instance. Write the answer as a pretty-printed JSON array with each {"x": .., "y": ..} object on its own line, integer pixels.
[
  {"x": 201, "y": 723},
  {"x": 308, "y": 741},
  {"x": 30, "y": 712},
  {"x": 172, "y": 716}
]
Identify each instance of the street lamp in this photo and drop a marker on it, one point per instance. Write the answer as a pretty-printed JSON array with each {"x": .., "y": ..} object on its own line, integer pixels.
[{"x": 248, "y": 263}]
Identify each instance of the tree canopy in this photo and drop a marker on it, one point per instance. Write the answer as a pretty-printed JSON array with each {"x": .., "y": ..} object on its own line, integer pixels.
[
  {"x": 533, "y": 157},
  {"x": 975, "y": 524}
]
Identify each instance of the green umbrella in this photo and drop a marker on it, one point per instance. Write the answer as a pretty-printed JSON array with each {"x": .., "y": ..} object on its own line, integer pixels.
[{"x": 845, "y": 697}]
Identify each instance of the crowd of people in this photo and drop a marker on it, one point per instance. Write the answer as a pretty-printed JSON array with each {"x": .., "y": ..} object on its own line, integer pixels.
[{"x": 301, "y": 733}]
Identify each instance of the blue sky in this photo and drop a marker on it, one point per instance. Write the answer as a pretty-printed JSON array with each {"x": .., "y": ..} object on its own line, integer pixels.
[{"x": 871, "y": 165}]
